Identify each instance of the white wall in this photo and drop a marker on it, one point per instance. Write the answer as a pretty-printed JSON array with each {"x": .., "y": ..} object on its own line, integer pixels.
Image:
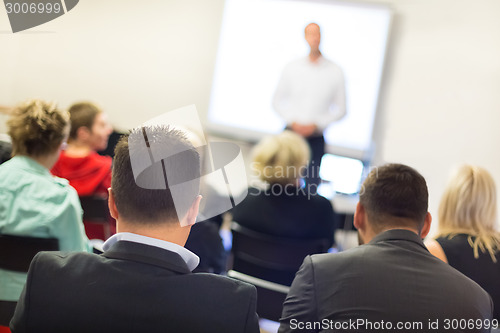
[
  {"x": 137, "y": 59},
  {"x": 441, "y": 102}
]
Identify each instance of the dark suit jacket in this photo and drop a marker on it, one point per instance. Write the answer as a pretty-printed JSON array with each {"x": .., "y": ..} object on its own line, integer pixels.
[
  {"x": 393, "y": 278},
  {"x": 131, "y": 287}
]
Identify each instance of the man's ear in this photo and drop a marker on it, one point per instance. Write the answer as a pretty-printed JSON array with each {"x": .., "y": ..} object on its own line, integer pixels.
[
  {"x": 192, "y": 213},
  {"x": 82, "y": 133},
  {"x": 427, "y": 225},
  {"x": 359, "y": 217},
  {"x": 113, "y": 211}
]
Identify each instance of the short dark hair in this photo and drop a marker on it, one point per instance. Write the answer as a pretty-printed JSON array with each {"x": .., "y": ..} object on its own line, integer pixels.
[
  {"x": 395, "y": 191},
  {"x": 150, "y": 196},
  {"x": 82, "y": 115}
]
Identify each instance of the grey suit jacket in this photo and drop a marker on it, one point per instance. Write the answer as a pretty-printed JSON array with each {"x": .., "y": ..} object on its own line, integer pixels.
[
  {"x": 131, "y": 287},
  {"x": 393, "y": 282}
]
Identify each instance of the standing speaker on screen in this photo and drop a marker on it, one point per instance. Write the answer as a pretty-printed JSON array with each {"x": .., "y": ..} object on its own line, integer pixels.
[{"x": 310, "y": 96}]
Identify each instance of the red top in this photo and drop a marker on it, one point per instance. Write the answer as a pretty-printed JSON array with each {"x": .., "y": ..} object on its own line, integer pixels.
[{"x": 89, "y": 175}]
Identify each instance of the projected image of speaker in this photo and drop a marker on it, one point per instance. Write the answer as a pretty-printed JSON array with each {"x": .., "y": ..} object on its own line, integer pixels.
[{"x": 260, "y": 37}]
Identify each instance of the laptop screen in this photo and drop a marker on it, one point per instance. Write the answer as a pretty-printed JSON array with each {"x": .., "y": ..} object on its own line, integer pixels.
[{"x": 340, "y": 175}]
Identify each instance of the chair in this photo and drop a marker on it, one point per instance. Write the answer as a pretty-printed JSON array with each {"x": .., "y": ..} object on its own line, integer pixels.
[
  {"x": 269, "y": 263},
  {"x": 17, "y": 253},
  {"x": 95, "y": 210},
  {"x": 22, "y": 249}
]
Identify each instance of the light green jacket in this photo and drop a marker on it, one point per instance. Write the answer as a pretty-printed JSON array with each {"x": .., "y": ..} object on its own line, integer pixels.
[{"x": 35, "y": 203}]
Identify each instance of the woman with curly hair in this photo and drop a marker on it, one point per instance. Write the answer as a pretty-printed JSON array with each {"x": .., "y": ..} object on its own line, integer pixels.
[
  {"x": 467, "y": 238},
  {"x": 32, "y": 201}
]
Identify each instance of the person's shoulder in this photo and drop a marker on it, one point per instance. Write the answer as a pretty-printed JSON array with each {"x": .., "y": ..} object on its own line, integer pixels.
[
  {"x": 458, "y": 239},
  {"x": 21, "y": 173},
  {"x": 471, "y": 290},
  {"x": 332, "y": 65},
  {"x": 56, "y": 260},
  {"x": 62, "y": 255},
  {"x": 346, "y": 258},
  {"x": 7, "y": 169},
  {"x": 103, "y": 160},
  {"x": 68, "y": 162},
  {"x": 223, "y": 283},
  {"x": 61, "y": 182},
  {"x": 449, "y": 279},
  {"x": 329, "y": 62},
  {"x": 319, "y": 199},
  {"x": 60, "y": 188},
  {"x": 18, "y": 164},
  {"x": 314, "y": 199}
]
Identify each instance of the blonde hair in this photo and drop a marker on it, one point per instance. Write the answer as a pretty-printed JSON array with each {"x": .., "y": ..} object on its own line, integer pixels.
[
  {"x": 281, "y": 158},
  {"x": 37, "y": 128},
  {"x": 469, "y": 206}
]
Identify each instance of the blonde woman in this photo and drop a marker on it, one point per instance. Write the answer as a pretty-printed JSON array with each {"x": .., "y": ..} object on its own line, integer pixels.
[
  {"x": 32, "y": 201},
  {"x": 467, "y": 238},
  {"x": 285, "y": 208}
]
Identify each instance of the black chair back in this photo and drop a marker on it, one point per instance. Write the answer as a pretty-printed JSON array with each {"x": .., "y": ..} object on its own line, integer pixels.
[
  {"x": 269, "y": 259},
  {"x": 16, "y": 254},
  {"x": 95, "y": 210},
  {"x": 18, "y": 251}
]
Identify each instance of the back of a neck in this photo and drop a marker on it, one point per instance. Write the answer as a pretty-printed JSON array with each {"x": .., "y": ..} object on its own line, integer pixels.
[{"x": 74, "y": 150}]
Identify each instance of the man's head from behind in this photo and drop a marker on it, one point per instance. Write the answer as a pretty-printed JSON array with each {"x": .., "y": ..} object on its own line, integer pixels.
[
  {"x": 141, "y": 206},
  {"x": 393, "y": 196}
]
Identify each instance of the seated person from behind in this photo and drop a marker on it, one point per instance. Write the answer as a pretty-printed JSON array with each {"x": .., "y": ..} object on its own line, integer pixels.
[
  {"x": 390, "y": 279},
  {"x": 204, "y": 240},
  {"x": 143, "y": 281},
  {"x": 33, "y": 202},
  {"x": 467, "y": 238},
  {"x": 88, "y": 172},
  {"x": 285, "y": 209}
]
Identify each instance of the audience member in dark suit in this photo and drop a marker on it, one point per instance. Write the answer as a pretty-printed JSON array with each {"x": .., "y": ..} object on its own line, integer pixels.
[
  {"x": 391, "y": 281},
  {"x": 285, "y": 208},
  {"x": 143, "y": 281},
  {"x": 467, "y": 238}
]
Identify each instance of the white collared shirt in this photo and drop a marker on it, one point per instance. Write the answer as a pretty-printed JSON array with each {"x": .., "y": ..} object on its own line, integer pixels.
[
  {"x": 311, "y": 93},
  {"x": 191, "y": 259}
]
